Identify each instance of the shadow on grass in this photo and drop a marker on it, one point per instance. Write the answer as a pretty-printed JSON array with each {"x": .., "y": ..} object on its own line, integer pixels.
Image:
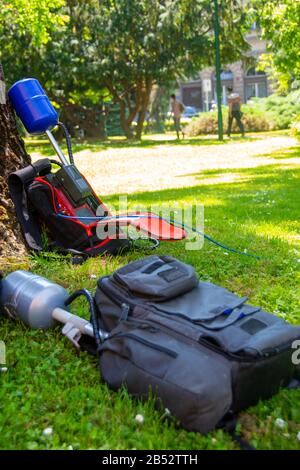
[
  {"x": 282, "y": 154},
  {"x": 44, "y": 148},
  {"x": 292, "y": 152},
  {"x": 270, "y": 194}
]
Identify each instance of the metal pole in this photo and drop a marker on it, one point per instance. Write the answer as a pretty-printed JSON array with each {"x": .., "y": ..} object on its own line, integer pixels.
[
  {"x": 57, "y": 148},
  {"x": 218, "y": 68},
  {"x": 81, "y": 324}
]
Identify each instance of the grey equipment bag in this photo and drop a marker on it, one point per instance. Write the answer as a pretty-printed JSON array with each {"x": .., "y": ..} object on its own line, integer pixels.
[{"x": 202, "y": 351}]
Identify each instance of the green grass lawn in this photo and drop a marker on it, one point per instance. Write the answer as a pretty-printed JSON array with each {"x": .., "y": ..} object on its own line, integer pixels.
[{"x": 49, "y": 384}]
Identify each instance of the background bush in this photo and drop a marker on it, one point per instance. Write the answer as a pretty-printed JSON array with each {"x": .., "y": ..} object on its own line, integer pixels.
[
  {"x": 282, "y": 110},
  {"x": 207, "y": 123},
  {"x": 259, "y": 114}
]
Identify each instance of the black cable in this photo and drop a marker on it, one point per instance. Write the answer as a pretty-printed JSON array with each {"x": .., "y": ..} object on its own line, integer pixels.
[
  {"x": 94, "y": 317},
  {"x": 56, "y": 162},
  {"x": 68, "y": 141},
  {"x": 170, "y": 221}
]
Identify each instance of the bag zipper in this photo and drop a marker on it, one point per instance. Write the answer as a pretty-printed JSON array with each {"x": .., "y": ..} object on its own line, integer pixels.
[
  {"x": 146, "y": 343},
  {"x": 116, "y": 298},
  {"x": 130, "y": 305},
  {"x": 209, "y": 345},
  {"x": 260, "y": 355}
]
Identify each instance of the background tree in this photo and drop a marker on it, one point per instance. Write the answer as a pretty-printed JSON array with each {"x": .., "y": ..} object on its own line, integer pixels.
[
  {"x": 12, "y": 156},
  {"x": 280, "y": 26},
  {"x": 36, "y": 17},
  {"x": 61, "y": 64},
  {"x": 119, "y": 49},
  {"x": 142, "y": 43},
  {"x": 159, "y": 105}
]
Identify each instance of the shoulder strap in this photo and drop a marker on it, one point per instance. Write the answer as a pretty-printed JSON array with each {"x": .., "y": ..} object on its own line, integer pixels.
[
  {"x": 17, "y": 184},
  {"x": 229, "y": 424},
  {"x": 78, "y": 257}
]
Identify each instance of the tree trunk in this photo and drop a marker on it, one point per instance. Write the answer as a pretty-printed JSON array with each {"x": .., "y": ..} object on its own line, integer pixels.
[
  {"x": 140, "y": 121},
  {"x": 144, "y": 104},
  {"x": 124, "y": 124},
  {"x": 12, "y": 157},
  {"x": 158, "y": 105},
  {"x": 89, "y": 120}
]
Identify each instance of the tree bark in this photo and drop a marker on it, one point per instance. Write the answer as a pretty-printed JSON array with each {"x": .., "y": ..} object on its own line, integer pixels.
[
  {"x": 130, "y": 108},
  {"x": 12, "y": 157},
  {"x": 158, "y": 108},
  {"x": 124, "y": 123},
  {"x": 144, "y": 104},
  {"x": 123, "y": 100},
  {"x": 90, "y": 120}
]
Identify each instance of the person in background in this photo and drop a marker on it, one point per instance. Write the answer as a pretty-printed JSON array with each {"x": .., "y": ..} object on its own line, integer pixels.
[
  {"x": 234, "y": 104},
  {"x": 177, "y": 109}
]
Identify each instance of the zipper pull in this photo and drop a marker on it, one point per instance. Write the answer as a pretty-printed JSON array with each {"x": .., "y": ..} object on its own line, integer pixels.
[
  {"x": 125, "y": 309},
  {"x": 150, "y": 328}
]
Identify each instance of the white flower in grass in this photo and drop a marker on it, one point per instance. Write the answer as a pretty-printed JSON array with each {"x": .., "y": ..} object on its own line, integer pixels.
[
  {"x": 92, "y": 276},
  {"x": 139, "y": 419},
  {"x": 280, "y": 423},
  {"x": 48, "y": 432},
  {"x": 298, "y": 436}
]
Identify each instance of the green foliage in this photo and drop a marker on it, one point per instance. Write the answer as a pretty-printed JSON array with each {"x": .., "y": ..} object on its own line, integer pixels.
[
  {"x": 207, "y": 123},
  {"x": 280, "y": 79},
  {"x": 280, "y": 20},
  {"x": 61, "y": 61},
  {"x": 142, "y": 43},
  {"x": 114, "y": 50},
  {"x": 295, "y": 127},
  {"x": 280, "y": 110},
  {"x": 37, "y": 18},
  {"x": 161, "y": 39},
  {"x": 260, "y": 114}
]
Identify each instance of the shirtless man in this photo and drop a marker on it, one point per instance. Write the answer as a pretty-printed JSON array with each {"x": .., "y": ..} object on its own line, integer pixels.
[
  {"x": 177, "y": 110},
  {"x": 234, "y": 103}
]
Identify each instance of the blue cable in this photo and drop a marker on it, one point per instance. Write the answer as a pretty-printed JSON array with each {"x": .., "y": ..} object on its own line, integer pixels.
[{"x": 173, "y": 222}]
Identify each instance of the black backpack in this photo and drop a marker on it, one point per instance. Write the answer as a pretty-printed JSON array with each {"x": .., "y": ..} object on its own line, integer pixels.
[
  {"x": 37, "y": 194},
  {"x": 201, "y": 350}
]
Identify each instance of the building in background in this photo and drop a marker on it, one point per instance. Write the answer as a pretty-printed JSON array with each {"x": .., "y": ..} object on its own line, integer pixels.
[{"x": 247, "y": 81}]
